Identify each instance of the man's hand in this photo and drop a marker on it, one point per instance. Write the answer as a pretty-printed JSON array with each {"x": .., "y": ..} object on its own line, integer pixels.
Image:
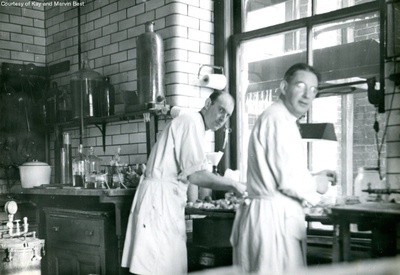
[
  {"x": 240, "y": 189},
  {"x": 324, "y": 178}
]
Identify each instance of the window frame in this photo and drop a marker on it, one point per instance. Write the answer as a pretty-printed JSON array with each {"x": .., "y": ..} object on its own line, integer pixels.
[{"x": 239, "y": 37}]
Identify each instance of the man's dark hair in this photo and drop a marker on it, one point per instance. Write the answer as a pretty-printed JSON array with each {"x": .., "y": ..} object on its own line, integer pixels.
[
  {"x": 214, "y": 96},
  {"x": 300, "y": 67}
]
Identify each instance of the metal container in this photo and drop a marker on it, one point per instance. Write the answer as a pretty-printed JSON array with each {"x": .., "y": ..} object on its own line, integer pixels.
[
  {"x": 86, "y": 91},
  {"x": 21, "y": 256},
  {"x": 150, "y": 66}
]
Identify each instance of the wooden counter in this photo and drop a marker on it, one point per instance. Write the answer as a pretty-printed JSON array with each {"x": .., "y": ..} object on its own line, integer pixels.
[{"x": 17, "y": 189}]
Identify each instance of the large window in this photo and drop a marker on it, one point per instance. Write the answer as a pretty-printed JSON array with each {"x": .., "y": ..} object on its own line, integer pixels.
[
  {"x": 259, "y": 14},
  {"x": 344, "y": 46}
]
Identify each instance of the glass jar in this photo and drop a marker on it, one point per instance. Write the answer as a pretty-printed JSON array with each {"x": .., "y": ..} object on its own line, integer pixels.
[
  {"x": 86, "y": 90},
  {"x": 367, "y": 178}
]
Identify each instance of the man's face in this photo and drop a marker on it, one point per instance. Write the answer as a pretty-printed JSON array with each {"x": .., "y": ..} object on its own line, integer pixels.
[
  {"x": 218, "y": 113},
  {"x": 300, "y": 92}
]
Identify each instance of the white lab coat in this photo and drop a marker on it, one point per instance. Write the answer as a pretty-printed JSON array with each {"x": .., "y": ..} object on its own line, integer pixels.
[
  {"x": 155, "y": 241},
  {"x": 269, "y": 230}
]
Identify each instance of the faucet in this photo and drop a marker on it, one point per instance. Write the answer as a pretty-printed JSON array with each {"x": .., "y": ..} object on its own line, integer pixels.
[{"x": 18, "y": 232}]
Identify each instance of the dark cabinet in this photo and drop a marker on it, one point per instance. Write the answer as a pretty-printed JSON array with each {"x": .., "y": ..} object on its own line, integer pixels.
[
  {"x": 73, "y": 262},
  {"x": 80, "y": 242}
]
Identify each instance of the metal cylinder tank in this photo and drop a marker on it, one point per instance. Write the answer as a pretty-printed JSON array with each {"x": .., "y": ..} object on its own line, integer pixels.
[
  {"x": 150, "y": 67},
  {"x": 86, "y": 91},
  {"x": 21, "y": 256}
]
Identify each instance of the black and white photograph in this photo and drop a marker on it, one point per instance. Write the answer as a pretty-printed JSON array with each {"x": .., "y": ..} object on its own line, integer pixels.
[{"x": 204, "y": 137}]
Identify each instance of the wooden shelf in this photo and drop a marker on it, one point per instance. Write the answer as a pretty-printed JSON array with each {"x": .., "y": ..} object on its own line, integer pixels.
[{"x": 137, "y": 113}]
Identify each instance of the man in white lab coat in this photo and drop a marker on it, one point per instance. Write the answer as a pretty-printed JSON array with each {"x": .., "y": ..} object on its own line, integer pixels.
[
  {"x": 155, "y": 240},
  {"x": 269, "y": 229}
]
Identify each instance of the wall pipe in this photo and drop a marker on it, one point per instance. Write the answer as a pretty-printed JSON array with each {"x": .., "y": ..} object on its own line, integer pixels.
[{"x": 81, "y": 121}]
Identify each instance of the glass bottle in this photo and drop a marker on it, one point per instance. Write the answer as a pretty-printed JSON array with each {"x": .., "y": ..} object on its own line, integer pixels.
[
  {"x": 92, "y": 168},
  {"x": 108, "y": 98},
  {"x": 78, "y": 168},
  {"x": 66, "y": 160},
  {"x": 117, "y": 178}
]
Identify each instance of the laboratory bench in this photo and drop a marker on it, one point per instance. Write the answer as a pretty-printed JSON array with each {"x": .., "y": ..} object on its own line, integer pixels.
[{"x": 83, "y": 229}]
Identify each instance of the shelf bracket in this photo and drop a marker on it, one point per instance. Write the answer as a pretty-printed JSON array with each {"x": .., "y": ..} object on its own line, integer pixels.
[{"x": 103, "y": 131}]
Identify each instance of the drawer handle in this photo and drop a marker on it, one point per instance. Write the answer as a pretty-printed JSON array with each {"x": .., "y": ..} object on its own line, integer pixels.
[
  {"x": 56, "y": 228},
  {"x": 89, "y": 232}
]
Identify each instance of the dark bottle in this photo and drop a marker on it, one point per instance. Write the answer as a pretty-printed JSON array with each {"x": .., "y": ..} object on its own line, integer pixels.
[
  {"x": 64, "y": 106},
  {"x": 79, "y": 168},
  {"x": 51, "y": 104},
  {"x": 108, "y": 98}
]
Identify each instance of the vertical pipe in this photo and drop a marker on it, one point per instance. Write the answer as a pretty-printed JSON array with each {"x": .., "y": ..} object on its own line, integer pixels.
[
  {"x": 222, "y": 30},
  {"x": 79, "y": 36},
  {"x": 382, "y": 44},
  {"x": 81, "y": 125}
]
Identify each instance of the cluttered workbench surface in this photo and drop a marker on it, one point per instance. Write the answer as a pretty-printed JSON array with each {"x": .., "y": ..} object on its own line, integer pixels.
[
  {"x": 65, "y": 191},
  {"x": 370, "y": 208}
]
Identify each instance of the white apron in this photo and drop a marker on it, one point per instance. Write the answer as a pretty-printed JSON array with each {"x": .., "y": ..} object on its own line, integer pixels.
[
  {"x": 155, "y": 241},
  {"x": 269, "y": 232},
  {"x": 156, "y": 231}
]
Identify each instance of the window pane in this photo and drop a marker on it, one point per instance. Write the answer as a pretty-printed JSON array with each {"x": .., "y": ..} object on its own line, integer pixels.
[
  {"x": 393, "y": 28},
  {"x": 347, "y": 50},
  {"x": 262, "y": 63},
  {"x": 353, "y": 117},
  {"x": 326, "y": 154},
  {"x": 259, "y": 14},
  {"x": 322, "y": 6}
]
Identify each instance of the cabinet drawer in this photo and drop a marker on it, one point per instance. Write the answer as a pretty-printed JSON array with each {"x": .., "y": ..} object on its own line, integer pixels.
[
  {"x": 74, "y": 230},
  {"x": 75, "y": 227}
]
